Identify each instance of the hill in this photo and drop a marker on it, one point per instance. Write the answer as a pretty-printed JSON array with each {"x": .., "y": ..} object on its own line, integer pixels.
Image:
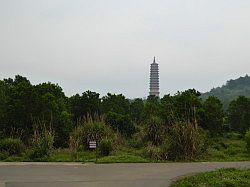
[{"x": 230, "y": 91}]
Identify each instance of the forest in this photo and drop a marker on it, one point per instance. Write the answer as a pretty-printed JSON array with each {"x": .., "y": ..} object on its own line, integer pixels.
[
  {"x": 39, "y": 123},
  {"x": 230, "y": 91}
]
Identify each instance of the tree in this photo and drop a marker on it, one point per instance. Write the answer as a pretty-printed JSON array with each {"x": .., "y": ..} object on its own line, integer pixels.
[
  {"x": 3, "y": 105},
  {"x": 168, "y": 109},
  {"x": 151, "y": 108},
  {"x": 120, "y": 123},
  {"x": 213, "y": 115},
  {"x": 239, "y": 114},
  {"x": 136, "y": 109},
  {"x": 155, "y": 130},
  {"x": 187, "y": 103},
  {"x": 87, "y": 104},
  {"x": 115, "y": 103},
  {"x": 18, "y": 98},
  {"x": 51, "y": 107}
]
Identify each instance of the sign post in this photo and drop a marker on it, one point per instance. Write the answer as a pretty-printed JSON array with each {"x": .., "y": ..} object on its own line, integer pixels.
[{"x": 92, "y": 145}]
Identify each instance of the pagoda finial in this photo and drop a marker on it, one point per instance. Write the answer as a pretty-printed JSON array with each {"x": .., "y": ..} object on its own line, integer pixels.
[{"x": 154, "y": 59}]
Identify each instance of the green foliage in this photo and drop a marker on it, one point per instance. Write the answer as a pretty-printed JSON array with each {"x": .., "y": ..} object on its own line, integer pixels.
[
  {"x": 42, "y": 144},
  {"x": 122, "y": 158},
  {"x": 186, "y": 141},
  {"x": 219, "y": 178},
  {"x": 247, "y": 139},
  {"x": 155, "y": 130},
  {"x": 138, "y": 139},
  {"x": 24, "y": 102},
  {"x": 151, "y": 107},
  {"x": 168, "y": 110},
  {"x": 87, "y": 130},
  {"x": 3, "y": 155},
  {"x": 51, "y": 107},
  {"x": 105, "y": 147},
  {"x": 182, "y": 106},
  {"x": 161, "y": 126},
  {"x": 213, "y": 115},
  {"x": 63, "y": 129},
  {"x": 115, "y": 103},
  {"x": 136, "y": 109},
  {"x": 239, "y": 114},
  {"x": 18, "y": 99},
  {"x": 230, "y": 91},
  {"x": 229, "y": 147},
  {"x": 11, "y": 147},
  {"x": 186, "y": 105},
  {"x": 153, "y": 152},
  {"x": 87, "y": 104},
  {"x": 120, "y": 123}
]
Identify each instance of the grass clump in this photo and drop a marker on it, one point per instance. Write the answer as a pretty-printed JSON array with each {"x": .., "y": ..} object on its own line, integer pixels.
[
  {"x": 123, "y": 158},
  {"x": 230, "y": 177},
  {"x": 11, "y": 147},
  {"x": 227, "y": 149},
  {"x": 42, "y": 145},
  {"x": 247, "y": 139}
]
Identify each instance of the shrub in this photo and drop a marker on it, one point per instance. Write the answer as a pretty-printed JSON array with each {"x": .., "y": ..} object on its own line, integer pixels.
[
  {"x": 87, "y": 130},
  {"x": 247, "y": 139},
  {"x": 137, "y": 140},
  {"x": 155, "y": 130},
  {"x": 186, "y": 141},
  {"x": 11, "y": 146},
  {"x": 164, "y": 148},
  {"x": 105, "y": 147},
  {"x": 153, "y": 152},
  {"x": 3, "y": 155},
  {"x": 120, "y": 123},
  {"x": 42, "y": 144},
  {"x": 75, "y": 139}
]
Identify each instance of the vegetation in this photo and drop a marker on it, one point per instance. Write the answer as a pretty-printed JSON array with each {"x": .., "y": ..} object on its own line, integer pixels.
[
  {"x": 227, "y": 147},
  {"x": 219, "y": 178},
  {"x": 39, "y": 123},
  {"x": 230, "y": 91},
  {"x": 247, "y": 139},
  {"x": 11, "y": 146}
]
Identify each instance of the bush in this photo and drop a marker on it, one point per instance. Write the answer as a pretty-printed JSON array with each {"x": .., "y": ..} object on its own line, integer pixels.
[
  {"x": 153, "y": 152},
  {"x": 229, "y": 177},
  {"x": 186, "y": 141},
  {"x": 165, "y": 148},
  {"x": 155, "y": 130},
  {"x": 11, "y": 146},
  {"x": 120, "y": 123},
  {"x": 42, "y": 145},
  {"x": 3, "y": 155},
  {"x": 137, "y": 140},
  {"x": 247, "y": 139},
  {"x": 105, "y": 147},
  {"x": 89, "y": 129}
]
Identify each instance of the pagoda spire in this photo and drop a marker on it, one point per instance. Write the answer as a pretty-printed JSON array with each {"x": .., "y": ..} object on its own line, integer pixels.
[{"x": 154, "y": 79}]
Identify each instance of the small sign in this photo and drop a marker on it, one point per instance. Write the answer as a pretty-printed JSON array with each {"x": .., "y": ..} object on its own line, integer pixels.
[{"x": 92, "y": 144}]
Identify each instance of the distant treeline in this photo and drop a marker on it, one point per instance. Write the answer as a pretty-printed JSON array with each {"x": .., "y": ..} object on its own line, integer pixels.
[
  {"x": 230, "y": 91},
  {"x": 23, "y": 106}
]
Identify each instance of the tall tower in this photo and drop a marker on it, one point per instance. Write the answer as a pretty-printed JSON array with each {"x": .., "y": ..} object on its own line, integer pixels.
[{"x": 154, "y": 79}]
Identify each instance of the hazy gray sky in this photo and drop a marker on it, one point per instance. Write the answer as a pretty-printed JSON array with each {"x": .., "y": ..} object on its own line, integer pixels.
[{"x": 108, "y": 45}]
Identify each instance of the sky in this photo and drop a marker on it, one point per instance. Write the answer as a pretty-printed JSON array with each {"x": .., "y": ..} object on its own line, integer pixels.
[{"x": 107, "y": 46}]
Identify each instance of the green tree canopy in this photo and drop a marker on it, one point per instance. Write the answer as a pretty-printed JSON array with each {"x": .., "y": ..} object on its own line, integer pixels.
[
  {"x": 87, "y": 104},
  {"x": 213, "y": 115},
  {"x": 136, "y": 109},
  {"x": 120, "y": 123},
  {"x": 239, "y": 114},
  {"x": 115, "y": 103}
]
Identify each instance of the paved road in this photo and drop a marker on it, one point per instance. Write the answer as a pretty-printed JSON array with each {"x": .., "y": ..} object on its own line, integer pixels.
[{"x": 95, "y": 175}]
